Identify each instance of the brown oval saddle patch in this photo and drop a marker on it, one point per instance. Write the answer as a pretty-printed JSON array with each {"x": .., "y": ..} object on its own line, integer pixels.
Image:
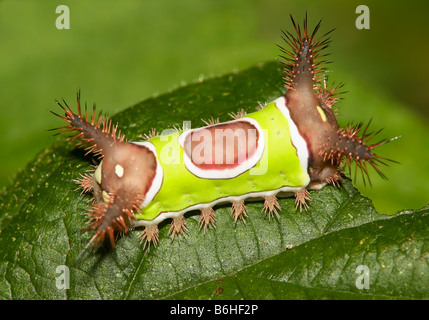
[{"x": 221, "y": 146}]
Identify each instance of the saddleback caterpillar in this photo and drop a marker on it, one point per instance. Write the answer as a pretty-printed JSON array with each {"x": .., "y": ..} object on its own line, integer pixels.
[{"x": 286, "y": 147}]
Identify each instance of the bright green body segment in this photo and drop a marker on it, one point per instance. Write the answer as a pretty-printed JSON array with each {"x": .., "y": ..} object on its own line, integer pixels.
[{"x": 181, "y": 189}]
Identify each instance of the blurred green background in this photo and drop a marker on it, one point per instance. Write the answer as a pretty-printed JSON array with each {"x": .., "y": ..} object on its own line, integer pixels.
[{"x": 121, "y": 52}]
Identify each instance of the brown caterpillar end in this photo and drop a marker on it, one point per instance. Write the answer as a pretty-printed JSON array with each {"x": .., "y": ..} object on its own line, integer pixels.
[{"x": 121, "y": 181}]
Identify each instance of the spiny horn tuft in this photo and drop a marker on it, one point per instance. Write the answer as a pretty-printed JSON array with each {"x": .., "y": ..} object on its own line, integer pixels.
[
  {"x": 302, "y": 62},
  {"x": 349, "y": 145},
  {"x": 97, "y": 132}
]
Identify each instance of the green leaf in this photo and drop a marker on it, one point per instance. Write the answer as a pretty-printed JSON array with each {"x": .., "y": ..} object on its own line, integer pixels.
[
  {"x": 313, "y": 254},
  {"x": 395, "y": 252}
]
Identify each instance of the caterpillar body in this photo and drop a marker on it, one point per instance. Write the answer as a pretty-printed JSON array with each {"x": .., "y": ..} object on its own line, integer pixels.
[{"x": 286, "y": 147}]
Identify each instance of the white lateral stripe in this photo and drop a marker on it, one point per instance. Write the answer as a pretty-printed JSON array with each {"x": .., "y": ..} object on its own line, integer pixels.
[
  {"x": 159, "y": 175},
  {"x": 226, "y": 173},
  {"x": 297, "y": 140},
  {"x": 199, "y": 206}
]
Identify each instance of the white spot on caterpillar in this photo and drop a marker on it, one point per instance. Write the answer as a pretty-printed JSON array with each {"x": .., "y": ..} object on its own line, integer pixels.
[
  {"x": 106, "y": 196},
  {"x": 119, "y": 170},
  {"x": 322, "y": 113},
  {"x": 98, "y": 173}
]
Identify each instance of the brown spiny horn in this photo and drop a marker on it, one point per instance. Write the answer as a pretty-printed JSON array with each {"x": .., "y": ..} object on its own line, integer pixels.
[
  {"x": 110, "y": 217},
  {"x": 97, "y": 131},
  {"x": 352, "y": 145},
  {"x": 302, "y": 64}
]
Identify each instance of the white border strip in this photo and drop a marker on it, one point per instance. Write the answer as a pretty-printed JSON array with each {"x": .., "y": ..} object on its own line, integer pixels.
[
  {"x": 297, "y": 140},
  {"x": 159, "y": 175}
]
